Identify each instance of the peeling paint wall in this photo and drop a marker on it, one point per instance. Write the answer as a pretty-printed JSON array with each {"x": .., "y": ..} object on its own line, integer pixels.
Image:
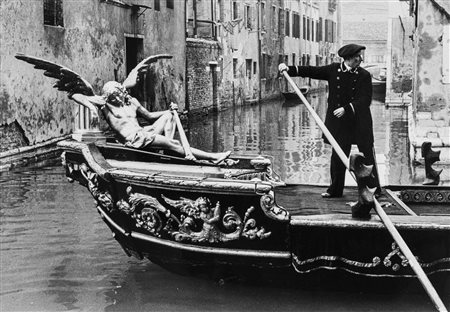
[
  {"x": 92, "y": 43},
  {"x": 238, "y": 37},
  {"x": 431, "y": 102},
  {"x": 400, "y": 60}
]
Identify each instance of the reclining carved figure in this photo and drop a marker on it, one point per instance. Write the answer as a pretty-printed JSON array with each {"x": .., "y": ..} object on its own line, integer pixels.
[{"x": 121, "y": 110}]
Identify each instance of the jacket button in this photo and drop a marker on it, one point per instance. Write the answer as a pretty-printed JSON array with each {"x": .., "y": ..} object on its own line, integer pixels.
[
  {"x": 338, "y": 87},
  {"x": 338, "y": 78}
]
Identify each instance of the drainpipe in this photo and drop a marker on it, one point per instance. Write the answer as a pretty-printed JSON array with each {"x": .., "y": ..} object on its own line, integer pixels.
[
  {"x": 194, "y": 19},
  {"x": 258, "y": 28},
  {"x": 186, "y": 85}
]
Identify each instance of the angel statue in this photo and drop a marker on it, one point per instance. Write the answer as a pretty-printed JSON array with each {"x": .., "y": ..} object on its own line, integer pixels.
[{"x": 121, "y": 110}]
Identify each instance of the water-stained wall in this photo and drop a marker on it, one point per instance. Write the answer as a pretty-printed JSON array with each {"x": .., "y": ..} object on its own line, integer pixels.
[
  {"x": 91, "y": 42},
  {"x": 431, "y": 102}
]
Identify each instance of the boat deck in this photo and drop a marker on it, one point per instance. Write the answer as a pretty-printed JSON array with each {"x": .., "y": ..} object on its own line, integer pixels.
[{"x": 301, "y": 200}]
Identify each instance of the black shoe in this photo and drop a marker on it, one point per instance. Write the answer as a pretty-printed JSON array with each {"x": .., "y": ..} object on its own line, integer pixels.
[{"x": 361, "y": 211}]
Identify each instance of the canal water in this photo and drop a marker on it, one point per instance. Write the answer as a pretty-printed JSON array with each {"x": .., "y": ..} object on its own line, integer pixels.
[{"x": 56, "y": 254}]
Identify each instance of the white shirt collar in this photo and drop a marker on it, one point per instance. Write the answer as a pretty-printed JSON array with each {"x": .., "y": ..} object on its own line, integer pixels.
[{"x": 345, "y": 68}]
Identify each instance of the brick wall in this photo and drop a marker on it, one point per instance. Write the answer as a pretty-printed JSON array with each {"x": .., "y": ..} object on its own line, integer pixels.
[{"x": 201, "y": 59}]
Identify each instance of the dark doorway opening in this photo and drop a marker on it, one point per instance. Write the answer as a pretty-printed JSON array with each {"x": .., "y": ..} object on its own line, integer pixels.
[{"x": 134, "y": 54}]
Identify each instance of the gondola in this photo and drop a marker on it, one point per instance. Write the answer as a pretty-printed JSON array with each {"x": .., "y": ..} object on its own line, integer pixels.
[{"x": 238, "y": 215}]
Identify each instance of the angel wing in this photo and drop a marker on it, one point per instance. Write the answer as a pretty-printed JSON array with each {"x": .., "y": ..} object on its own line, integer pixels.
[
  {"x": 141, "y": 69},
  {"x": 67, "y": 80}
]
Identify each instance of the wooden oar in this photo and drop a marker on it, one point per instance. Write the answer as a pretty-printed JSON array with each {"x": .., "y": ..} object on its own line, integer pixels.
[
  {"x": 383, "y": 216},
  {"x": 183, "y": 138}
]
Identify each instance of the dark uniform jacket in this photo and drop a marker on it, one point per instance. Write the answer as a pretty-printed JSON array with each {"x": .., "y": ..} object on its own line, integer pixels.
[{"x": 345, "y": 87}]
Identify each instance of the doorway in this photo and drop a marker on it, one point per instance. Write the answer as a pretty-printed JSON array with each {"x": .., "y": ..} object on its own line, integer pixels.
[{"x": 134, "y": 48}]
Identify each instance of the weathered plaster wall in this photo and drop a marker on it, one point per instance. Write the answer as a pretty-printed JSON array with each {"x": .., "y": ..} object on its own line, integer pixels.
[
  {"x": 400, "y": 60},
  {"x": 91, "y": 43},
  {"x": 272, "y": 44},
  {"x": 431, "y": 103},
  {"x": 241, "y": 43}
]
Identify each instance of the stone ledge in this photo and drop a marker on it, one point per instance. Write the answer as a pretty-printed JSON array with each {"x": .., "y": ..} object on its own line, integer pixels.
[{"x": 29, "y": 154}]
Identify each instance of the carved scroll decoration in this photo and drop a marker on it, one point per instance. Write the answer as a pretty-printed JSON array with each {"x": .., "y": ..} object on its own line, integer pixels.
[
  {"x": 181, "y": 219},
  {"x": 188, "y": 220},
  {"x": 102, "y": 197},
  {"x": 271, "y": 209},
  {"x": 388, "y": 262}
]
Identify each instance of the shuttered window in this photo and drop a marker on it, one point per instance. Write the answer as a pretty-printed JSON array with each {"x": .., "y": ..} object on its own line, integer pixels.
[{"x": 53, "y": 13}]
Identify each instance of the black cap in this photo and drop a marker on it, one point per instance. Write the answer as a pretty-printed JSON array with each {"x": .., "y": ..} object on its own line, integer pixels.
[{"x": 350, "y": 50}]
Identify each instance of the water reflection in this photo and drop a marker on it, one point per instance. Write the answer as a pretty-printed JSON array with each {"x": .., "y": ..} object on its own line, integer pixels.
[{"x": 286, "y": 131}]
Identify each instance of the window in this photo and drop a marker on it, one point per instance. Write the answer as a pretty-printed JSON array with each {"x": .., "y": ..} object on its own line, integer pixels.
[
  {"x": 287, "y": 24},
  {"x": 280, "y": 22},
  {"x": 53, "y": 13},
  {"x": 235, "y": 69},
  {"x": 263, "y": 15},
  {"x": 319, "y": 30},
  {"x": 254, "y": 68},
  {"x": 274, "y": 19},
  {"x": 296, "y": 25},
  {"x": 293, "y": 59},
  {"x": 248, "y": 68},
  {"x": 235, "y": 10},
  {"x": 308, "y": 30},
  {"x": 169, "y": 4},
  {"x": 330, "y": 27},
  {"x": 304, "y": 27},
  {"x": 221, "y": 11},
  {"x": 318, "y": 60},
  {"x": 263, "y": 67},
  {"x": 157, "y": 5},
  {"x": 248, "y": 16},
  {"x": 328, "y": 31}
]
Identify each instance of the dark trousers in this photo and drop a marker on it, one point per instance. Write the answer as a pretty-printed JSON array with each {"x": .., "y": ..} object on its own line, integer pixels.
[{"x": 337, "y": 168}]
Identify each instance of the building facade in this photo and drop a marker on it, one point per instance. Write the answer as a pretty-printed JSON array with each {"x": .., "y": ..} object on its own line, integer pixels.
[
  {"x": 311, "y": 37},
  {"x": 430, "y": 113},
  {"x": 234, "y": 47},
  {"x": 101, "y": 40}
]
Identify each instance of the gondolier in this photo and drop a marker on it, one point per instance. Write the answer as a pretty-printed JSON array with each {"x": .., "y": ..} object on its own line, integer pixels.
[{"x": 348, "y": 114}]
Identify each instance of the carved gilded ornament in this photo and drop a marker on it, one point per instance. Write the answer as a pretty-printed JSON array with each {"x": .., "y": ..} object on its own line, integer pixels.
[{"x": 182, "y": 219}]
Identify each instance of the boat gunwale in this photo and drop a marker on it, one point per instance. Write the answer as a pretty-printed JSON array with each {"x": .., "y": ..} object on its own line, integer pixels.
[
  {"x": 106, "y": 171},
  {"x": 403, "y": 222}
]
